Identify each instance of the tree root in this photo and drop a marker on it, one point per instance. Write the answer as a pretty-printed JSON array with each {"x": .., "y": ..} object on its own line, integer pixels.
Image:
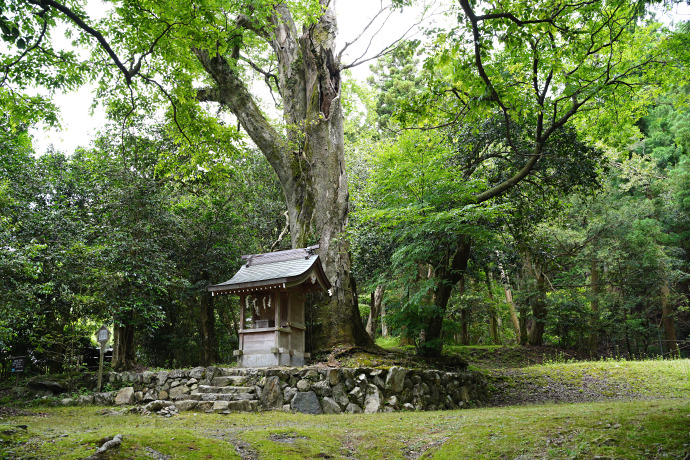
[{"x": 110, "y": 443}]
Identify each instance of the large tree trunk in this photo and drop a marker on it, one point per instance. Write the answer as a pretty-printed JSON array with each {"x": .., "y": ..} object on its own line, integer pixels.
[
  {"x": 448, "y": 274},
  {"x": 309, "y": 159}
]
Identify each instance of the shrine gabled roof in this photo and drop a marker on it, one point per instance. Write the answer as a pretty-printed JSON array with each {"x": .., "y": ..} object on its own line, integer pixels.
[{"x": 274, "y": 269}]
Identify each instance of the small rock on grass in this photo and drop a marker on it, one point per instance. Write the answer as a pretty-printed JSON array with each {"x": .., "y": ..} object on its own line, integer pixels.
[{"x": 153, "y": 453}]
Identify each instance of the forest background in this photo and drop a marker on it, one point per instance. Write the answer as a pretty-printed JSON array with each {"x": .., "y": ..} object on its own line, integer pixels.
[{"x": 588, "y": 250}]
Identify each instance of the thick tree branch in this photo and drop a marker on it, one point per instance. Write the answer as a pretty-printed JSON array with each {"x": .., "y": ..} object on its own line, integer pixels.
[{"x": 232, "y": 92}]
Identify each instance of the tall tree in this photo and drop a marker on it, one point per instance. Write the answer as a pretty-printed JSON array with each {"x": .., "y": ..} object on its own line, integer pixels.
[{"x": 222, "y": 43}]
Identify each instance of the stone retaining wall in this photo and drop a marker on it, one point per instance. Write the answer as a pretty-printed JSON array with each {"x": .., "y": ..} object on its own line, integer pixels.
[{"x": 310, "y": 390}]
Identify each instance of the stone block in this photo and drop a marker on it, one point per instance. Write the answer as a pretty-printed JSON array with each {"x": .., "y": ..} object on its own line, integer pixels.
[
  {"x": 103, "y": 399},
  {"x": 340, "y": 396},
  {"x": 288, "y": 394},
  {"x": 84, "y": 400},
  {"x": 372, "y": 400},
  {"x": 329, "y": 406},
  {"x": 465, "y": 394},
  {"x": 395, "y": 380},
  {"x": 155, "y": 406},
  {"x": 322, "y": 388},
  {"x": 357, "y": 394},
  {"x": 205, "y": 405},
  {"x": 311, "y": 375},
  {"x": 178, "y": 392},
  {"x": 197, "y": 373},
  {"x": 306, "y": 402},
  {"x": 186, "y": 405},
  {"x": 125, "y": 397},
  {"x": 272, "y": 394},
  {"x": 220, "y": 405},
  {"x": 243, "y": 406},
  {"x": 177, "y": 374},
  {"x": 333, "y": 376},
  {"x": 163, "y": 377},
  {"x": 353, "y": 409}
]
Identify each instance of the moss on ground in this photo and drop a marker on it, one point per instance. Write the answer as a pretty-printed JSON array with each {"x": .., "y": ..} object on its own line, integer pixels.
[
  {"x": 629, "y": 429},
  {"x": 648, "y": 416}
]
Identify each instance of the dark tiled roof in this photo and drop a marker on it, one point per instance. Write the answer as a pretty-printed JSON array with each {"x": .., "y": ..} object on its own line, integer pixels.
[{"x": 274, "y": 268}]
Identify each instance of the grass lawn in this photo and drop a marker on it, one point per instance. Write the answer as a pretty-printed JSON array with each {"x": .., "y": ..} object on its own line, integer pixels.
[
  {"x": 627, "y": 430},
  {"x": 649, "y": 419}
]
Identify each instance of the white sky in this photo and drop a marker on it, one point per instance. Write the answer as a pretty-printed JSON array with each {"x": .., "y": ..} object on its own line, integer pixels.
[{"x": 79, "y": 126}]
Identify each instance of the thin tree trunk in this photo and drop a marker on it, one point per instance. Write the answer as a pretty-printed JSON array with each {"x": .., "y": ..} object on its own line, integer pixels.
[
  {"x": 448, "y": 274},
  {"x": 124, "y": 356},
  {"x": 371, "y": 321},
  {"x": 375, "y": 312},
  {"x": 594, "y": 304},
  {"x": 207, "y": 329},
  {"x": 537, "y": 303},
  {"x": 464, "y": 315},
  {"x": 539, "y": 311},
  {"x": 464, "y": 326},
  {"x": 493, "y": 317},
  {"x": 509, "y": 300},
  {"x": 627, "y": 333},
  {"x": 667, "y": 319},
  {"x": 384, "y": 323}
]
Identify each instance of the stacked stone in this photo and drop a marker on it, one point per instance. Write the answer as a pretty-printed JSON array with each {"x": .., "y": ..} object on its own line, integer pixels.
[{"x": 308, "y": 390}]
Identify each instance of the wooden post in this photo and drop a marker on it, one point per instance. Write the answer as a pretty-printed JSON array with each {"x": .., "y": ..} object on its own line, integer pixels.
[
  {"x": 100, "y": 367},
  {"x": 276, "y": 316},
  {"x": 240, "y": 337},
  {"x": 102, "y": 335}
]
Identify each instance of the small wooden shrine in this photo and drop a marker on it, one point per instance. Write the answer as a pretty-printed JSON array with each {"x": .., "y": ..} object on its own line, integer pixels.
[{"x": 272, "y": 289}]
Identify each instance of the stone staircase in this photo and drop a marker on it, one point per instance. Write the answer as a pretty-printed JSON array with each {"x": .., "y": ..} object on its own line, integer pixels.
[{"x": 232, "y": 390}]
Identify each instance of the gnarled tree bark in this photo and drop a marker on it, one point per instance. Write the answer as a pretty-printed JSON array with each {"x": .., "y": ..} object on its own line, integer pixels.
[{"x": 308, "y": 158}]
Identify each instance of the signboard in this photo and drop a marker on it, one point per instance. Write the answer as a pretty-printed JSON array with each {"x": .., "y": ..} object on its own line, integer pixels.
[
  {"x": 18, "y": 364},
  {"x": 103, "y": 335}
]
